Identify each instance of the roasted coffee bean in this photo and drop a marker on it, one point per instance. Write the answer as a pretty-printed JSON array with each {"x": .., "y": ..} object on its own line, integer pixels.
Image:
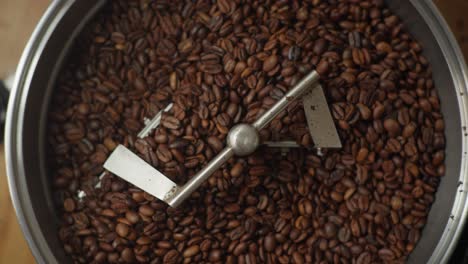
[
  {"x": 215, "y": 143},
  {"x": 364, "y": 258},
  {"x": 270, "y": 63},
  {"x": 170, "y": 122},
  {"x": 191, "y": 251},
  {"x": 344, "y": 234},
  {"x": 236, "y": 170},
  {"x": 396, "y": 203},
  {"x": 69, "y": 205},
  {"x": 392, "y": 127},
  {"x": 74, "y": 134},
  {"x": 269, "y": 243},
  {"x": 122, "y": 229},
  {"x": 222, "y": 63},
  {"x": 330, "y": 230},
  {"x": 323, "y": 68},
  {"x": 232, "y": 208},
  {"x": 298, "y": 258},
  {"x": 146, "y": 210},
  {"x": 409, "y": 129},
  {"x": 386, "y": 254},
  {"x": 294, "y": 53},
  {"x": 362, "y": 155},
  {"x": 132, "y": 217},
  {"x": 172, "y": 256},
  {"x": 163, "y": 153}
]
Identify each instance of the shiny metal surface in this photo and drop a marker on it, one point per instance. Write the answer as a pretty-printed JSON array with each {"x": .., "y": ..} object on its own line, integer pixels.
[
  {"x": 243, "y": 139},
  {"x": 130, "y": 167},
  {"x": 154, "y": 123},
  {"x": 319, "y": 119},
  {"x": 150, "y": 126},
  {"x": 281, "y": 144},
  {"x": 25, "y": 139},
  {"x": 299, "y": 89}
]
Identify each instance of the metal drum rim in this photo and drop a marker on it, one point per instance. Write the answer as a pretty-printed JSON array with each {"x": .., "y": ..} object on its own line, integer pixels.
[{"x": 45, "y": 28}]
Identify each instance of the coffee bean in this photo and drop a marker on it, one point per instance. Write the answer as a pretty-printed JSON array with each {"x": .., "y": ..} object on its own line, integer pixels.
[
  {"x": 362, "y": 174},
  {"x": 383, "y": 47},
  {"x": 83, "y": 108},
  {"x": 392, "y": 127},
  {"x": 425, "y": 105},
  {"x": 438, "y": 158},
  {"x": 163, "y": 153},
  {"x": 69, "y": 205},
  {"x": 122, "y": 229},
  {"x": 362, "y": 155},
  {"x": 270, "y": 63},
  {"x": 322, "y": 68},
  {"x": 186, "y": 46},
  {"x": 140, "y": 84},
  {"x": 269, "y": 243},
  {"x": 439, "y": 125},
  {"x": 364, "y": 258},
  {"x": 393, "y": 146},
  {"x": 100, "y": 257},
  {"x": 215, "y": 255},
  {"x": 364, "y": 111},
  {"x": 330, "y": 230},
  {"x": 344, "y": 234},
  {"x": 132, "y": 217},
  {"x": 74, "y": 134},
  {"x": 320, "y": 46},
  {"x": 386, "y": 254},
  {"x": 215, "y": 143},
  {"x": 408, "y": 130},
  {"x": 224, "y": 6},
  {"x": 239, "y": 249},
  {"x": 224, "y": 120},
  {"x": 82, "y": 221},
  {"x": 298, "y": 258},
  {"x": 396, "y": 203},
  {"x": 378, "y": 111},
  {"x": 294, "y": 53},
  {"x": 172, "y": 257},
  {"x": 211, "y": 68},
  {"x": 170, "y": 122},
  {"x": 127, "y": 255},
  {"x": 191, "y": 251},
  {"x": 118, "y": 37},
  {"x": 146, "y": 210},
  {"x": 232, "y": 208},
  {"x": 236, "y": 170}
]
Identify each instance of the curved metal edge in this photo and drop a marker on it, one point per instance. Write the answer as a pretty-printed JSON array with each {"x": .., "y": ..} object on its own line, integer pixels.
[
  {"x": 14, "y": 126},
  {"x": 458, "y": 68},
  {"x": 42, "y": 132},
  {"x": 13, "y": 143}
]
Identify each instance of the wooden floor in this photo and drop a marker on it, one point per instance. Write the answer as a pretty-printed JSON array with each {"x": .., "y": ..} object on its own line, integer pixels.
[{"x": 17, "y": 20}]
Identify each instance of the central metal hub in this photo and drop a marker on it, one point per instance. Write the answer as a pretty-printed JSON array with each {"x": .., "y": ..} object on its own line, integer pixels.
[{"x": 243, "y": 139}]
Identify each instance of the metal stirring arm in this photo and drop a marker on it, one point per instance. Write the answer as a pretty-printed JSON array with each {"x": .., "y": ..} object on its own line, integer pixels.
[{"x": 242, "y": 140}]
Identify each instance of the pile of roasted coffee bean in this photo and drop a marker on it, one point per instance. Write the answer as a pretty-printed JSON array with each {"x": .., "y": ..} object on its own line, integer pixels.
[{"x": 225, "y": 62}]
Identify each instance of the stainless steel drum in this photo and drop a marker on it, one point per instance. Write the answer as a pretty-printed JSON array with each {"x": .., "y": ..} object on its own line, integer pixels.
[{"x": 38, "y": 69}]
